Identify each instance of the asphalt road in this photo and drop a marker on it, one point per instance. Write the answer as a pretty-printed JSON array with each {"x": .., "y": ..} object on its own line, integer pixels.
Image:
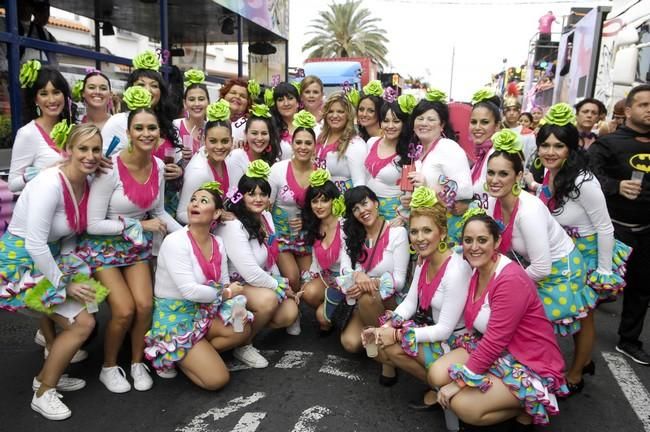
[{"x": 311, "y": 384}]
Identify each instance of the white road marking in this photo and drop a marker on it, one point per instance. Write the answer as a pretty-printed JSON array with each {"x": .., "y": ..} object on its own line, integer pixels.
[
  {"x": 333, "y": 365},
  {"x": 293, "y": 359},
  {"x": 249, "y": 422},
  {"x": 309, "y": 418},
  {"x": 198, "y": 423},
  {"x": 633, "y": 389}
]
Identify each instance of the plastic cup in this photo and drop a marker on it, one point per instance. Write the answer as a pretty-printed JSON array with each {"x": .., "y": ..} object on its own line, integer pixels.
[
  {"x": 295, "y": 232},
  {"x": 238, "y": 315},
  {"x": 92, "y": 307},
  {"x": 637, "y": 176},
  {"x": 170, "y": 154},
  {"x": 370, "y": 343}
]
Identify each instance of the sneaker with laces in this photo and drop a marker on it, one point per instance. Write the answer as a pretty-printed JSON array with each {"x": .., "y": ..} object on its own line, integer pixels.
[
  {"x": 294, "y": 329},
  {"x": 250, "y": 356},
  {"x": 635, "y": 352},
  {"x": 141, "y": 379},
  {"x": 39, "y": 339},
  {"x": 114, "y": 378},
  {"x": 49, "y": 405},
  {"x": 166, "y": 373},
  {"x": 66, "y": 383},
  {"x": 79, "y": 356}
]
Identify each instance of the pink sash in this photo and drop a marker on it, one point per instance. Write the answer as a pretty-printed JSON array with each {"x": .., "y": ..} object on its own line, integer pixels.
[
  {"x": 48, "y": 139},
  {"x": 211, "y": 269},
  {"x": 77, "y": 215},
  {"x": 381, "y": 245},
  {"x": 297, "y": 190},
  {"x": 506, "y": 235},
  {"x": 327, "y": 257},
  {"x": 141, "y": 194},
  {"x": 223, "y": 181},
  {"x": 545, "y": 193},
  {"x": 374, "y": 163},
  {"x": 271, "y": 244},
  {"x": 480, "y": 151},
  {"x": 472, "y": 307},
  {"x": 431, "y": 147},
  {"x": 183, "y": 132},
  {"x": 426, "y": 290}
]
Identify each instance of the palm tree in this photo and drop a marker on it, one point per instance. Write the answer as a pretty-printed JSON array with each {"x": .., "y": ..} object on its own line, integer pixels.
[{"x": 347, "y": 30}]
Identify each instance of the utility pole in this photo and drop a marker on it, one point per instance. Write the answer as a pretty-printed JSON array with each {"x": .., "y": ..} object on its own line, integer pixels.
[{"x": 451, "y": 77}]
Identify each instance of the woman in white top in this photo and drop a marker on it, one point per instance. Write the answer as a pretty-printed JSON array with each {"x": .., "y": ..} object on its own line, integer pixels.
[
  {"x": 368, "y": 111},
  {"x": 119, "y": 244},
  {"x": 340, "y": 150},
  {"x": 191, "y": 128},
  {"x": 556, "y": 265},
  {"x": 388, "y": 154},
  {"x": 46, "y": 102},
  {"x": 34, "y": 273},
  {"x": 441, "y": 158},
  {"x": 286, "y": 100},
  {"x": 212, "y": 162},
  {"x": 194, "y": 300},
  {"x": 261, "y": 139},
  {"x": 575, "y": 199},
  {"x": 97, "y": 98},
  {"x": 373, "y": 269},
  {"x": 252, "y": 249},
  {"x": 236, "y": 93},
  {"x": 430, "y": 317}
]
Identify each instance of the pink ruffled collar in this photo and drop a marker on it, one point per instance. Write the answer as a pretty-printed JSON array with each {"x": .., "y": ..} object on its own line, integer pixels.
[
  {"x": 211, "y": 269},
  {"x": 141, "y": 194}
]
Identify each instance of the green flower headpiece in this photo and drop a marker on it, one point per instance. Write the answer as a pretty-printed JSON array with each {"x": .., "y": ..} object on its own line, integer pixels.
[
  {"x": 482, "y": 95},
  {"x": 297, "y": 85},
  {"x": 338, "y": 206},
  {"x": 268, "y": 97},
  {"x": 373, "y": 88},
  {"x": 253, "y": 88},
  {"x": 407, "y": 103},
  {"x": 194, "y": 76},
  {"x": 560, "y": 114},
  {"x": 305, "y": 119},
  {"x": 137, "y": 97},
  {"x": 435, "y": 95},
  {"x": 423, "y": 197},
  {"x": 260, "y": 110},
  {"x": 77, "y": 88},
  {"x": 147, "y": 60},
  {"x": 258, "y": 169},
  {"x": 473, "y": 211},
  {"x": 218, "y": 111},
  {"x": 353, "y": 97},
  {"x": 508, "y": 141},
  {"x": 60, "y": 133},
  {"x": 29, "y": 73},
  {"x": 213, "y": 186},
  {"x": 319, "y": 177}
]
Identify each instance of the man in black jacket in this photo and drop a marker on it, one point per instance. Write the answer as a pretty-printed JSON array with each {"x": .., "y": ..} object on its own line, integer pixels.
[{"x": 621, "y": 161}]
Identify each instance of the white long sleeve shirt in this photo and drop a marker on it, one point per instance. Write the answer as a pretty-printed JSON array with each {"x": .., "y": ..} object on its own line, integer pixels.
[
  {"x": 115, "y": 126},
  {"x": 246, "y": 256},
  {"x": 386, "y": 183},
  {"x": 537, "y": 236},
  {"x": 108, "y": 202},
  {"x": 196, "y": 173},
  {"x": 279, "y": 194},
  {"x": 179, "y": 274},
  {"x": 588, "y": 215},
  {"x": 39, "y": 217},
  {"x": 447, "y": 304},
  {"x": 29, "y": 149},
  {"x": 394, "y": 260},
  {"x": 450, "y": 160},
  {"x": 350, "y": 166}
]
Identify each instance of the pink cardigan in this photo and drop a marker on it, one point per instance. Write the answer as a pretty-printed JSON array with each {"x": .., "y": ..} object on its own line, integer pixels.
[{"x": 517, "y": 324}]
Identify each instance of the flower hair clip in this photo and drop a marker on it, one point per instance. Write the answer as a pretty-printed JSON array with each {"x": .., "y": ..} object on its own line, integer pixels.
[
  {"x": 407, "y": 103},
  {"x": 353, "y": 97},
  {"x": 268, "y": 97},
  {"x": 258, "y": 169},
  {"x": 473, "y": 211},
  {"x": 194, "y": 76},
  {"x": 319, "y": 177},
  {"x": 218, "y": 111},
  {"x": 29, "y": 73},
  {"x": 260, "y": 110},
  {"x": 304, "y": 119},
  {"x": 373, "y": 88},
  {"x": 77, "y": 89},
  {"x": 483, "y": 95},
  {"x": 212, "y": 186},
  {"x": 147, "y": 60},
  {"x": 253, "y": 88},
  {"x": 390, "y": 95},
  {"x": 423, "y": 197},
  {"x": 137, "y": 97},
  {"x": 338, "y": 206},
  {"x": 560, "y": 114},
  {"x": 435, "y": 95},
  {"x": 297, "y": 85},
  {"x": 60, "y": 133},
  {"x": 508, "y": 141}
]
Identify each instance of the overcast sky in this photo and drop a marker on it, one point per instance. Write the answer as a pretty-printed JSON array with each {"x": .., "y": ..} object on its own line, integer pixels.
[{"x": 423, "y": 33}]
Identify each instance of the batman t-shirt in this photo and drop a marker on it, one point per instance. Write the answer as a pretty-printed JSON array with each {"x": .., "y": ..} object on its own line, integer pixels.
[{"x": 613, "y": 157}]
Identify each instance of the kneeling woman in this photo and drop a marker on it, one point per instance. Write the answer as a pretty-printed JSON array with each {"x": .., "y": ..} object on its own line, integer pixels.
[
  {"x": 515, "y": 368},
  {"x": 424, "y": 325},
  {"x": 374, "y": 268},
  {"x": 194, "y": 300},
  {"x": 252, "y": 250},
  {"x": 33, "y": 272}
]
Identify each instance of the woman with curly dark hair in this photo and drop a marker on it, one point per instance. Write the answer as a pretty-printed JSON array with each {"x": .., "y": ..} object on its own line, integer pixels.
[
  {"x": 373, "y": 269},
  {"x": 252, "y": 249},
  {"x": 286, "y": 103},
  {"x": 389, "y": 153},
  {"x": 575, "y": 199}
]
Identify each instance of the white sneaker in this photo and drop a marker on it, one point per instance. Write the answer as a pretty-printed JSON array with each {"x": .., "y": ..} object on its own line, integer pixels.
[
  {"x": 141, "y": 379},
  {"x": 39, "y": 339},
  {"x": 79, "y": 356},
  {"x": 294, "y": 329},
  {"x": 250, "y": 356},
  {"x": 65, "y": 383},
  {"x": 167, "y": 373},
  {"x": 49, "y": 405},
  {"x": 114, "y": 378}
]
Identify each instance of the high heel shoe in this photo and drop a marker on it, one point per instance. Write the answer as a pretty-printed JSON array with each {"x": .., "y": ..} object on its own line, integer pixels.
[
  {"x": 388, "y": 381},
  {"x": 575, "y": 388},
  {"x": 590, "y": 369}
]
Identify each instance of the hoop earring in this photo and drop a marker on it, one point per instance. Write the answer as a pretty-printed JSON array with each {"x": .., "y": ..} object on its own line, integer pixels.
[
  {"x": 485, "y": 186},
  {"x": 562, "y": 164},
  {"x": 129, "y": 147},
  {"x": 246, "y": 147},
  {"x": 537, "y": 163},
  {"x": 495, "y": 256},
  {"x": 187, "y": 115},
  {"x": 516, "y": 189},
  {"x": 411, "y": 250},
  {"x": 38, "y": 111},
  {"x": 268, "y": 149},
  {"x": 442, "y": 246}
]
